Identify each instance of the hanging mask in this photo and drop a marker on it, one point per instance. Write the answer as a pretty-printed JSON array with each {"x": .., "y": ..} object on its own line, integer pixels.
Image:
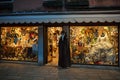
[{"x": 103, "y": 35}]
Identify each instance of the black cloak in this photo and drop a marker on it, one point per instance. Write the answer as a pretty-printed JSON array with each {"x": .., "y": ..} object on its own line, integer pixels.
[{"x": 64, "y": 53}]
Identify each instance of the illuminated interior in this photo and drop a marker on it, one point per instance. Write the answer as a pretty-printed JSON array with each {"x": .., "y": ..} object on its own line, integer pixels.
[
  {"x": 88, "y": 44},
  {"x": 53, "y": 39},
  {"x": 94, "y": 45},
  {"x": 19, "y": 43}
]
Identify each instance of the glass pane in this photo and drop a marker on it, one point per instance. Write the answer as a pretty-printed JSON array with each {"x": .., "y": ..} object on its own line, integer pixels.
[
  {"x": 19, "y": 43},
  {"x": 94, "y": 45}
]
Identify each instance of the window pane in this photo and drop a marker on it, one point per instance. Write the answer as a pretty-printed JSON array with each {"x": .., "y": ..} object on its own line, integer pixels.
[
  {"x": 19, "y": 43},
  {"x": 94, "y": 45}
]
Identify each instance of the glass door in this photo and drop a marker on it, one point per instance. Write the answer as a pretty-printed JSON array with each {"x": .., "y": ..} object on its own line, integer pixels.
[{"x": 53, "y": 39}]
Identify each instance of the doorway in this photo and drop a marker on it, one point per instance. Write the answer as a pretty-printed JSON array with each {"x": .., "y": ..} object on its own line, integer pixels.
[{"x": 53, "y": 39}]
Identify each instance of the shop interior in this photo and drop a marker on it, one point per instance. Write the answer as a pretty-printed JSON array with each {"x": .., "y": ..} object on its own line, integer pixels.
[
  {"x": 19, "y": 43},
  {"x": 53, "y": 40},
  {"x": 94, "y": 45}
]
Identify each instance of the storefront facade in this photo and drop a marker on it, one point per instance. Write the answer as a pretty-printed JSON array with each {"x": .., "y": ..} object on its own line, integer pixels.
[{"x": 93, "y": 38}]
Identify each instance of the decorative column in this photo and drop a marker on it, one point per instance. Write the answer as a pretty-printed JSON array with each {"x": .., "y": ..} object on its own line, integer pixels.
[
  {"x": 63, "y": 5},
  {"x": 119, "y": 45},
  {"x": 67, "y": 30},
  {"x": 40, "y": 46},
  {"x": 0, "y": 36}
]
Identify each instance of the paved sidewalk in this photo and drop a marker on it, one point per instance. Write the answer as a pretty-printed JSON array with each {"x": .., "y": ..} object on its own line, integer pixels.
[{"x": 12, "y": 71}]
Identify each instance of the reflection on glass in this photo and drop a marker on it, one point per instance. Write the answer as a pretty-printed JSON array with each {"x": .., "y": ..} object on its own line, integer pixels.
[
  {"x": 19, "y": 43},
  {"x": 94, "y": 45},
  {"x": 53, "y": 39}
]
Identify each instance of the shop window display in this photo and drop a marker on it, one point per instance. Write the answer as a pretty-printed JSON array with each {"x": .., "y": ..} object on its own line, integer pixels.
[
  {"x": 53, "y": 39},
  {"x": 94, "y": 45},
  {"x": 19, "y": 43}
]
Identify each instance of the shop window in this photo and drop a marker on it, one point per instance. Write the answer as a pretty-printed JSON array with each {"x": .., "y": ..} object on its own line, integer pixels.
[
  {"x": 52, "y": 3},
  {"x": 76, "y": 4},
  {"x": 19, "y": 43},
  {"x": 6, "y": 1},
  {"x": 6, "y": 8},
  {"x": 94, "y": 45}
]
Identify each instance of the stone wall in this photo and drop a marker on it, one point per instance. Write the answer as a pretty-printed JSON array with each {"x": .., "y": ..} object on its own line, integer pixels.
[
  {"x": 37, "y": 5},
  {"x": 104, "y": 3},
  {"x": 27, "y": 5}
]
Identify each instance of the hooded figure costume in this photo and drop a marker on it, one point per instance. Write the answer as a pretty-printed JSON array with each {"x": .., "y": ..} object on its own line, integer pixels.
[{"x": 64, "y": 53}]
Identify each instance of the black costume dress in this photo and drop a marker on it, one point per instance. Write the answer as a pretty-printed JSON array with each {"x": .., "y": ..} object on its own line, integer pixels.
[{"x": 64, "y": 55}]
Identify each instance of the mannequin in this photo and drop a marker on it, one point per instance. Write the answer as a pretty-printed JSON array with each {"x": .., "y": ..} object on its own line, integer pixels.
[{"x": 64, "y": 56}]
